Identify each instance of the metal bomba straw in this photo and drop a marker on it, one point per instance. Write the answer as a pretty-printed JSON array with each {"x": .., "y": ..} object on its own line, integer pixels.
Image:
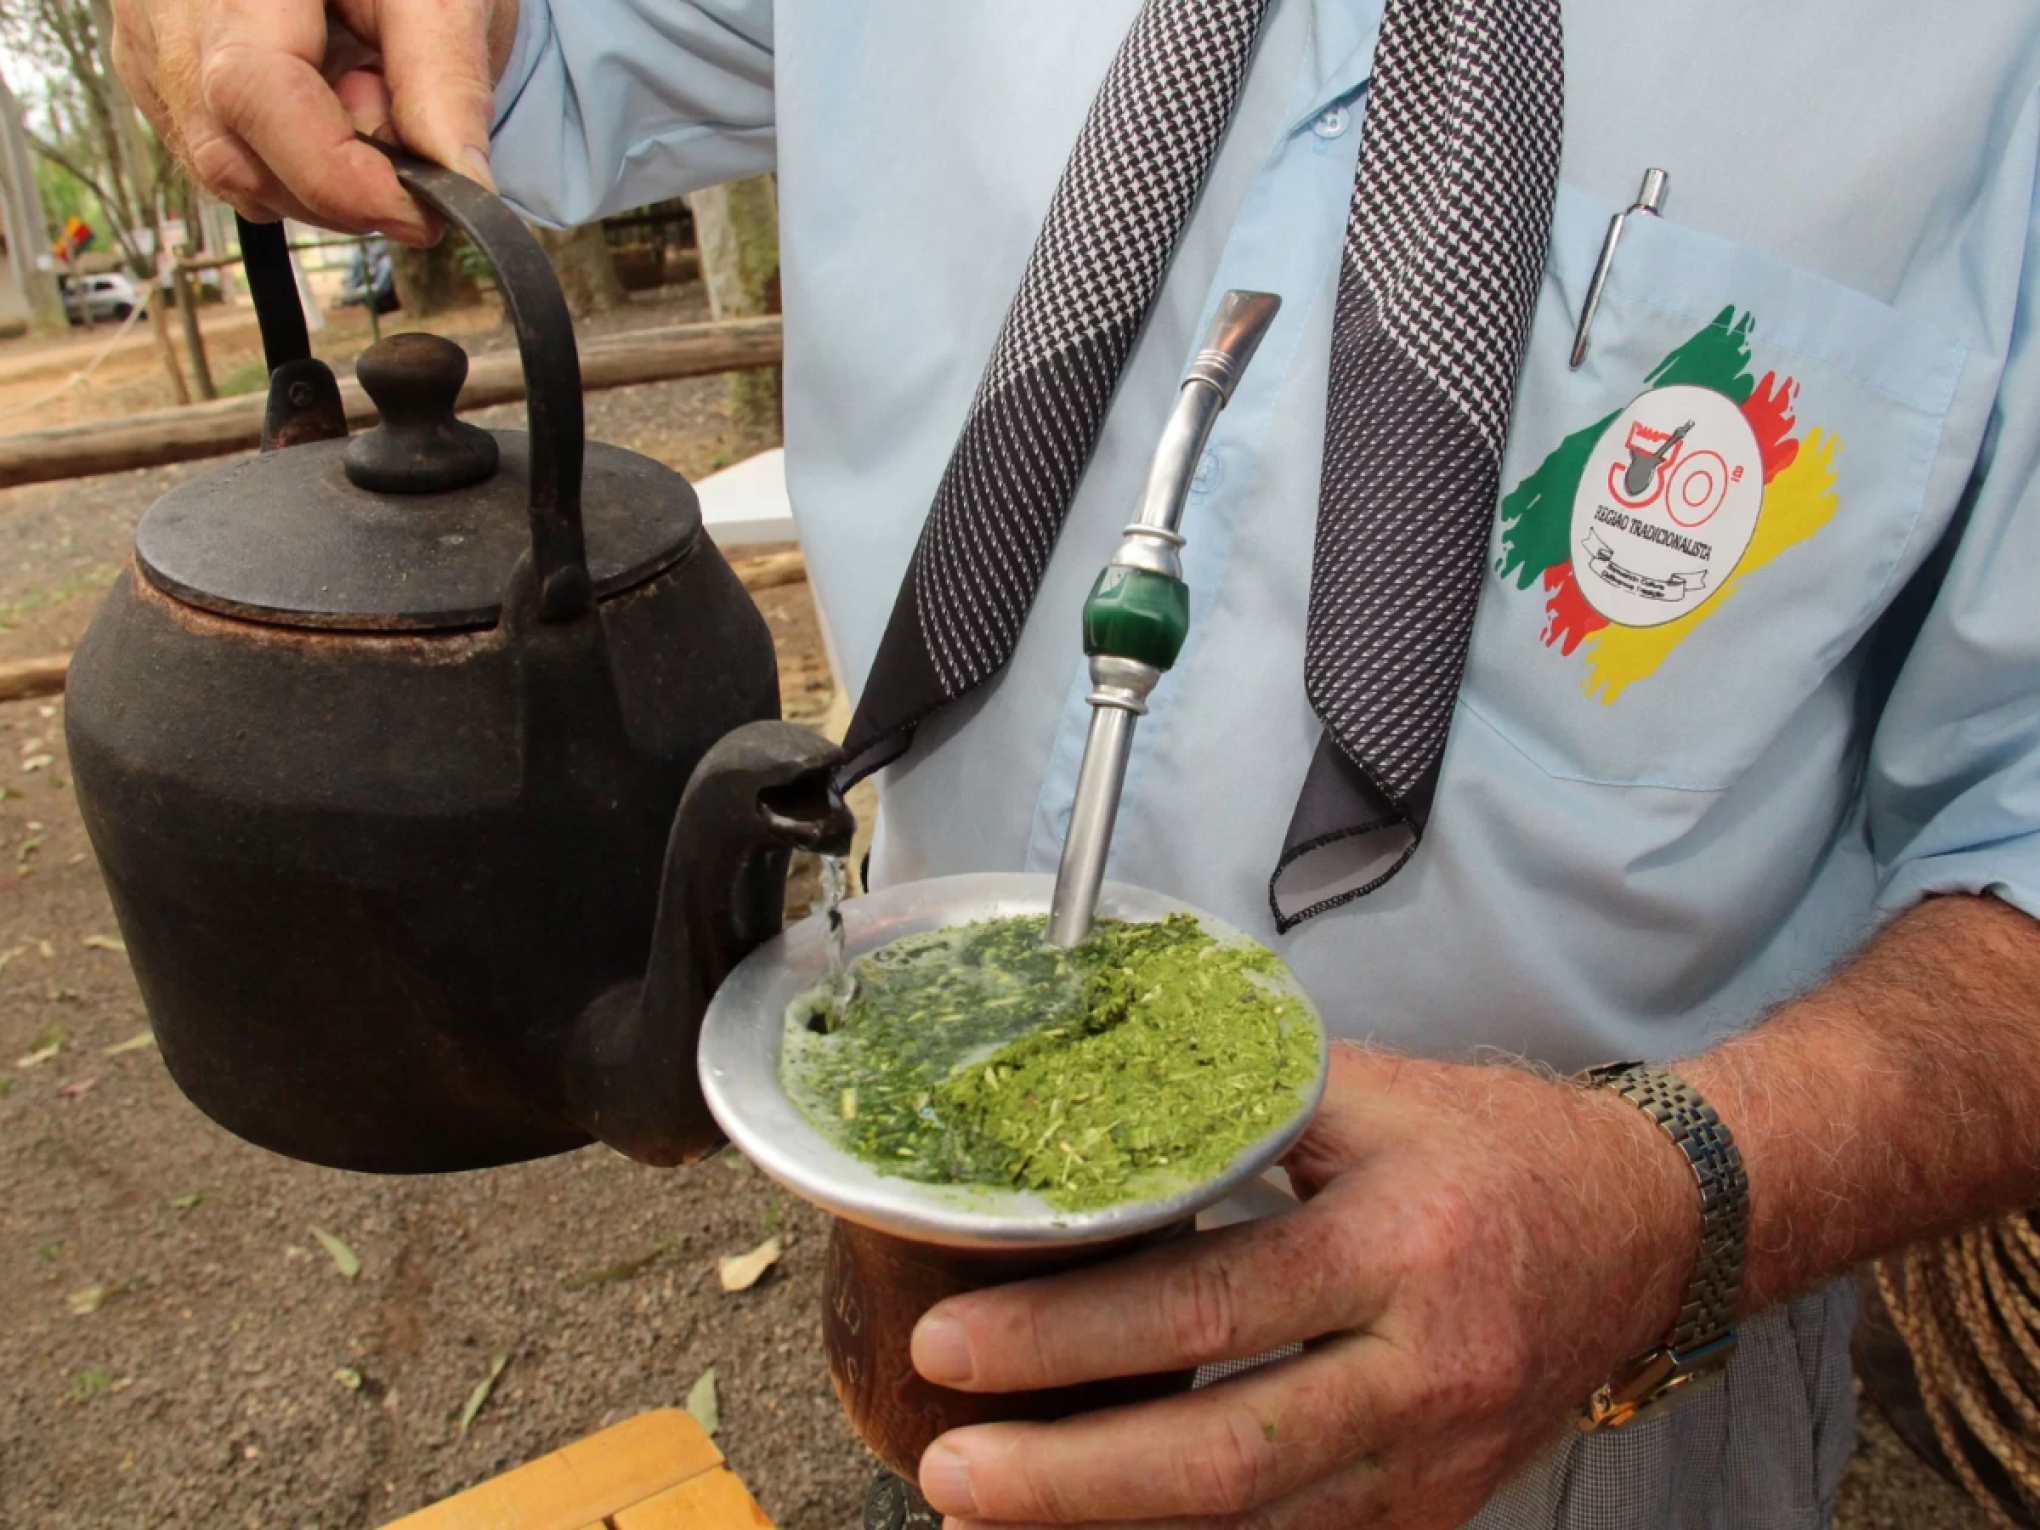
[{"x": 1138, "y": 613}]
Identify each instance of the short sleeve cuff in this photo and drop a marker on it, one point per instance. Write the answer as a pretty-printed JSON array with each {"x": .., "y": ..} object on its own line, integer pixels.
[{"x": 2008, "y": 870}]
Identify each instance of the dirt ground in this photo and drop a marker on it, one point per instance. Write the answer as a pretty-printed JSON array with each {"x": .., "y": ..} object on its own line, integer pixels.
[{"x": 227, "y": 1374}]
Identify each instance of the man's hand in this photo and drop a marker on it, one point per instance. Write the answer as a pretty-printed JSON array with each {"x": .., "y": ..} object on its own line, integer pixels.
[
  {"x": 260, "y": 99},
  {"x": 1479, "y": 1250},
  {"x": 1483, "y": 1248}
]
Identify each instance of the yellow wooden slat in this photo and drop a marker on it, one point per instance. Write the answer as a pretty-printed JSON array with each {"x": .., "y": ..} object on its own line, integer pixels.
[
  {"x": 582, "y": 1483},
  {"x": 712, "y": 1501}
]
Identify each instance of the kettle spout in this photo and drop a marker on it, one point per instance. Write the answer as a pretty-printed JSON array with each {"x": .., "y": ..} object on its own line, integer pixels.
[
  {"x": 762, "y": 792},
  {"x": 808, "y": 812}
]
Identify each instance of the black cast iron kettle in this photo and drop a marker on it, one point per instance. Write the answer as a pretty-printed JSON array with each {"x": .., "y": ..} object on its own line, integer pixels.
[{"x": 431, "y": 772}]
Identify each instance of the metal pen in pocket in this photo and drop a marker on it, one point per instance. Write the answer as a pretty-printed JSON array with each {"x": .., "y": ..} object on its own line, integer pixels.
[{"x": 1650, "y": 198}]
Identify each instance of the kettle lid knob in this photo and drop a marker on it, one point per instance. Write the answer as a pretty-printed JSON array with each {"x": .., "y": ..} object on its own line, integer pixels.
[{"x": 419, "y": 448}]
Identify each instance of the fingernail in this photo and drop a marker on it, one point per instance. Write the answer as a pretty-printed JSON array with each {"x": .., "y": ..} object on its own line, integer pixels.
[
  {"x": 945, "y": 1481},
  {"x": 476, "y": 159},
  {"x": 941, "y": 1351}
]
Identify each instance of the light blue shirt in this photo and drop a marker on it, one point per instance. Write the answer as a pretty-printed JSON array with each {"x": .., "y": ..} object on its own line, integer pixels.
[
  {"x": 1639, "y": 843},
  {"x": 1645, "y": 833}
]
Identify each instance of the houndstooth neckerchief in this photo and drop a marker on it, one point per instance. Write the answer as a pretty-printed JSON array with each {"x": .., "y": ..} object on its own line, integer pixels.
[{"x": 1444, "y": 250}]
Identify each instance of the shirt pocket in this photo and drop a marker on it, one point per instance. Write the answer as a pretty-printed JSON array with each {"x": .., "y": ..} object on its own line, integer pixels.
[{"x": 1698, "y": 525}]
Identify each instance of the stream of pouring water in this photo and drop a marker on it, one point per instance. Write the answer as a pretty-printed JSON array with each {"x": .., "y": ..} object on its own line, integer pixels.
[{"x": 842, "y": 986}]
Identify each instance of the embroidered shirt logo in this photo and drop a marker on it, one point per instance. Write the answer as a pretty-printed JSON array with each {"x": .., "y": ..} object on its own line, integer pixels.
[{"x": 1642, "y": 526}]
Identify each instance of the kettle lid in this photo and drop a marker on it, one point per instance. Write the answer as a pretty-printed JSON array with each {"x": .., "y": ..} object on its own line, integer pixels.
[{"x": 415, "y": 525}]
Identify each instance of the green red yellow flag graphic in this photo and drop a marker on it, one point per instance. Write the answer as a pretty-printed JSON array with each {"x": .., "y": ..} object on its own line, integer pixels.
[{"x": 1537, "y": 514}]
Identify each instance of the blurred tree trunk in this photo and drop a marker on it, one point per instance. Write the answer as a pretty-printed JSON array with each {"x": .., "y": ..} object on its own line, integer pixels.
[
  {"x": 25, "y": 223},
  {"x": 159, "y": 303},
  {"x": 736, "y": 229},
  {"x": 431, "y": 281},
  {"x": 580, "y": 259}
]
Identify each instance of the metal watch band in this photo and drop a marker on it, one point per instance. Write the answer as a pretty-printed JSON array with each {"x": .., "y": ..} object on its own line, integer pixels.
[{"x": 1708, "y": 1311}]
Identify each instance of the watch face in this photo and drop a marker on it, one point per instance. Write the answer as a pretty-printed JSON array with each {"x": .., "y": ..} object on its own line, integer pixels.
[
  {"x": 1677, "y": 1392},
  {"x": 1656, "y": 1383}
]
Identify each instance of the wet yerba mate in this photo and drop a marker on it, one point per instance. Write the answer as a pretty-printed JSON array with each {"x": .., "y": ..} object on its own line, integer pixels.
[{"x": 1139, "y": 1062}]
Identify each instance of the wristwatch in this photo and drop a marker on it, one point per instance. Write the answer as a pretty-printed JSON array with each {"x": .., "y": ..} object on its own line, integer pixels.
[{"x": 1701, "y": 1341}]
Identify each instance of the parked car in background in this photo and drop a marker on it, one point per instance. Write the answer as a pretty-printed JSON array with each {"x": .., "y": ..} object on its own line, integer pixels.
[
  {"x": 111, "y": 295},
  {"x": 370, "y": 270}
]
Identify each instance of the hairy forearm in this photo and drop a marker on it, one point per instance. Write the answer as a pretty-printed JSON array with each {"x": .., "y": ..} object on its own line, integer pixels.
[{"x": 1898, "y": 1101}]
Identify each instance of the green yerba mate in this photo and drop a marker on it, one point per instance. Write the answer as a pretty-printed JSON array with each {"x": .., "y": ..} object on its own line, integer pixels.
[{"x": 1140, "y": 1061}]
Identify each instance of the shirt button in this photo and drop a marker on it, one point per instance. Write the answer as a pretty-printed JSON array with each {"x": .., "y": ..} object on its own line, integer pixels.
[
  {"x": 1209, "y": 471},
  {"x": 1333, "y": 121}
]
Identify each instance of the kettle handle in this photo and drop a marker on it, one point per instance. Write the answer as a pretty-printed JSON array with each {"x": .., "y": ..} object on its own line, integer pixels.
[
  {"x": 537, "y": 311},
  {"x": 265, "y": 261}
]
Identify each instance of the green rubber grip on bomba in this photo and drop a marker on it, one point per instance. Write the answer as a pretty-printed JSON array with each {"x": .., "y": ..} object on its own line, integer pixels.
[{"x": 1135, "y": 613}]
